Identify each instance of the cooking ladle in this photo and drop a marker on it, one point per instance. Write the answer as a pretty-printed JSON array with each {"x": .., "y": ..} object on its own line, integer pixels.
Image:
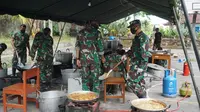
[{"x": 105, "y": 75}]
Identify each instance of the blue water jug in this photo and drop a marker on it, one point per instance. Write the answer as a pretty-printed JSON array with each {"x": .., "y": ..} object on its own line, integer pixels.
[{"x": 170, "y": 84}]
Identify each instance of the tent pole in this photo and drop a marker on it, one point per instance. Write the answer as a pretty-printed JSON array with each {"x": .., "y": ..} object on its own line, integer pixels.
[
  {"x": 191, "y": 32},
  {"x": 59, "y": 39},
  {"x": 187, "y": 57}
]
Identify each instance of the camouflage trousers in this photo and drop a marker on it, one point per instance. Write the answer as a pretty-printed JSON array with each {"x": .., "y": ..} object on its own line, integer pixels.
[
  {"x": 22, "y": 56},
  {"x": 135, "y": 79},
  {"x": 90, "y": 74},
  {"x": 46, "y": 70}
]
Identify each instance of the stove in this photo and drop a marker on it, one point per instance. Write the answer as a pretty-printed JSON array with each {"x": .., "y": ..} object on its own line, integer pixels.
[
  {"x": 81, "y": 107},
  {"x": 133, "y": 109}
]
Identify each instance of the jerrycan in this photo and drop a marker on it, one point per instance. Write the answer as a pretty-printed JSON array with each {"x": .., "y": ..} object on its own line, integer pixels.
[{"x": 170, "y": 83}]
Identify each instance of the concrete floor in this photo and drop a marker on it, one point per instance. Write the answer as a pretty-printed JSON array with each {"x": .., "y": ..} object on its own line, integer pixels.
[{"x": 188, "y": 105}]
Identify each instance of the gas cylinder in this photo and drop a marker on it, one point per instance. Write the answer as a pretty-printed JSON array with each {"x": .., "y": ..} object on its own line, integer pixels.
[
  {"x": 186, "y": 70},
  {"x": 185, "y": 89},
  {"x": 170, "y": 83}
]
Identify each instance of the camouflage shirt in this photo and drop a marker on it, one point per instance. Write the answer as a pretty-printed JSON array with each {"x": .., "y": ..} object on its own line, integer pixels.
[
  {"x": 44, "y": 45},
  {"x": 140, "y": 47},
  {"x": 90, "y": 40},
  {"x": 20, "y": 41}
]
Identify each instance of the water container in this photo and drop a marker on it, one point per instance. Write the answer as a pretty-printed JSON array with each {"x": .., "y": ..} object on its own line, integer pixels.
[{"x": 170, "y": 84}]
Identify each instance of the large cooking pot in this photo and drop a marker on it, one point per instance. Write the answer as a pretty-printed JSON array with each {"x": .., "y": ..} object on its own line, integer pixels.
[
  {"x": 50, "y": 100},
  {"x": 143, "y": 105},
  {"x": 4, "y": 70},
  {"x": 156, "y": 70},
  {"x": 114, "y": 44},
  {"x": 107, "y": 44},
  {"x": 64, "y": 57},
  {"x": 69, "y": 73}
]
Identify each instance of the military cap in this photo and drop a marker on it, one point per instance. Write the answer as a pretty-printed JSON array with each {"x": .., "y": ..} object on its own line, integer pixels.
[{"x": 134, "y": 22}]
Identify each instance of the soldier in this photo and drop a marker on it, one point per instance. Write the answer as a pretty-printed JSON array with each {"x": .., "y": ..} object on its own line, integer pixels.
[
  {"x": 43, "y": 45},
  {"x": 157, "y": 41},
  {"x": 20, "y": 41},
  {"x": 89, "y": 52},
  {"x": 137, "y": 60}
]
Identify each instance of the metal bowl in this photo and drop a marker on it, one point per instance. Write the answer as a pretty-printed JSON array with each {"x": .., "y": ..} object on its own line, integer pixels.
[
  {"x": 142, "y": 100},
  {"x": 83, "y": 101}
]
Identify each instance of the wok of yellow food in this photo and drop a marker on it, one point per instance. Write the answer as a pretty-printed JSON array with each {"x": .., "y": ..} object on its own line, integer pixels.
[
  {"x": 149, "y": 105},
  {"x": 83, "y": 96}
]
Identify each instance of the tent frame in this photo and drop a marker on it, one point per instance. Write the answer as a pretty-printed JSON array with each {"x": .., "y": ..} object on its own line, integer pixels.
[{"x": 186, "y": 55}]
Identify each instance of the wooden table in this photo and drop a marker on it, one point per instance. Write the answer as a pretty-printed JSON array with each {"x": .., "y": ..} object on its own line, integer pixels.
[{"x": 162, "y": 57}]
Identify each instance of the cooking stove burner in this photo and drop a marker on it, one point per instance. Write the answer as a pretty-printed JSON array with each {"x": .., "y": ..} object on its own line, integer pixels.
[
  {"x": 133, "y": 109},
  {"x": 83, "y": 107}
]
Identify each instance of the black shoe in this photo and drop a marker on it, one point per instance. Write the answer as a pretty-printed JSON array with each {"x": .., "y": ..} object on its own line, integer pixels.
[{"x": 141, "y": 94}]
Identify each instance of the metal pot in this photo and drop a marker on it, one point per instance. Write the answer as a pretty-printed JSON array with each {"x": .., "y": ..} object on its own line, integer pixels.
[
  {"x": 64, "y": 57},
  {"x": 137, "y": 102},
  {"x": 114, "y": 44},
  {"x": 4, "y": 70},
  {"x": 26, "y": 67},
  {"x": 156, "y": 70},
  {"x": 69, "y": 73},
  {"x": 106, "y": 44},
  {"x": 50, "y": 100}
]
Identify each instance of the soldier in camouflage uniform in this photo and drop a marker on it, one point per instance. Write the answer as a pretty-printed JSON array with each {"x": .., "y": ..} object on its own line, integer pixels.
[
  {"x": 20, "y": 41},
  {"x": 43, "y": 45},
  {"x": 137, "y": 60},
  {"x": 89, "y": 52},
  {"x": 114, "y": 57}
]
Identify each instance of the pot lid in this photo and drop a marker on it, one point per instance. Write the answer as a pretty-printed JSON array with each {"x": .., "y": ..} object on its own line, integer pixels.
[{"x": 155, "y": 66}]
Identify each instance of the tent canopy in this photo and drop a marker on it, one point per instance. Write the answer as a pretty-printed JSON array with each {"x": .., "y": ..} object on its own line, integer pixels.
[{"x": 78, "y": 11}]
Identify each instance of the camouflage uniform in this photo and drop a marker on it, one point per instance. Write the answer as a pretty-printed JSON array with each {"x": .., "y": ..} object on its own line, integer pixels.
[
  {"x": 114, "y": 57},
  {"x": 139, "y": 56},
  {"x": 110, "y": 59},
  {"x": 44, "y": 47},
  {"x": 20, "y": 44},
  {"x": 90, "y": 44}
]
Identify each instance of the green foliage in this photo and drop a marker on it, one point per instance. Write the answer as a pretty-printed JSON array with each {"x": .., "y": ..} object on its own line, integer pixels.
[
  {"x": 169, "y": 32},
  {"x": 118, "y": 28},
  {"x": 55, "y": 29},
  {"x": 147, "y": 27}
]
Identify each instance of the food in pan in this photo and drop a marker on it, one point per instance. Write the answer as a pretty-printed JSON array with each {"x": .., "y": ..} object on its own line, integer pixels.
[
  {"x": 149, "y": 105},
  {"x": 83, "y": 96}
]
